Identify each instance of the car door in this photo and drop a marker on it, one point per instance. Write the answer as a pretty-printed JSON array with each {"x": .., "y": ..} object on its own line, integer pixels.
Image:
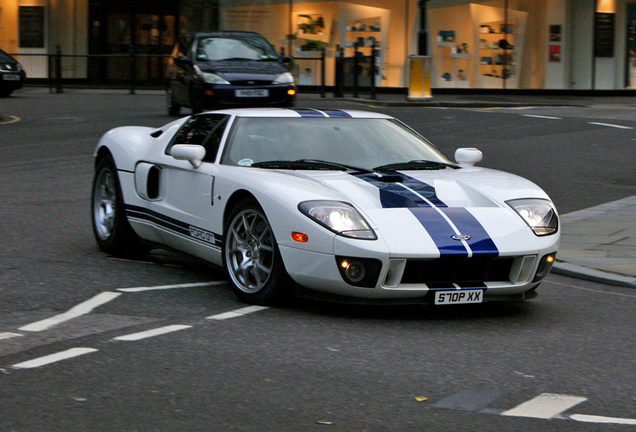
[{"x": 183, "y": 207}]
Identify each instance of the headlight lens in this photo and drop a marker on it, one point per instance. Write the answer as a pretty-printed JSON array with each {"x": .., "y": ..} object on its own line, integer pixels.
[
  {"x": 342, "y": 218},
  {"x": 539, "y": 214},
  {"x": 211, "y": 78},
  {"x": 285, "y": 78}
]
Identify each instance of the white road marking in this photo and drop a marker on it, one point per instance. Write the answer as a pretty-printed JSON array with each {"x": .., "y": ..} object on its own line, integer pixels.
[
  {"x": 237, "y": 313},
  {"x": 151, "y": 333},
  {"x": 542, "y": 117},
  {"x": 76, "y": 311},
  {"x": 9, "y": 335},
  {"x": 599, "y": 419},
  {"x": 610, "y": 125},
  {"x": 63, "y": 355},
  {"x": 165, "y": 287},
  {"x": 545, "y": 406}
]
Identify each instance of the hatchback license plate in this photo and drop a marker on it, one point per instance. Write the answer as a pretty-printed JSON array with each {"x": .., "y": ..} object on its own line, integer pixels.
[
  {"x": 11, "y": 77},
  {"x": 459, "y": 297},
  {"x": 251, "y": 93}
]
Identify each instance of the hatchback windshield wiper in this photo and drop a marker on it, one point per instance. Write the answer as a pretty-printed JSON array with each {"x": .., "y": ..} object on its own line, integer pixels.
[
  {"x": 415, "y": 165},
  {"x": 308, "y": 164}
]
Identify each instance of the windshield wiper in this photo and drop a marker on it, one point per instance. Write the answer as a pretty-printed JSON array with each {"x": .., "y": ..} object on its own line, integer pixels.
[
  {"x": 308, "y": 164},
  {"x": 415, "y": 165}
]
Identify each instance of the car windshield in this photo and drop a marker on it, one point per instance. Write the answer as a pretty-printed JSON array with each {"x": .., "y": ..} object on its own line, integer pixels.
[
  {"x": 5, "y": 58},
  {"x": 235, "y": 48},
  {"x": 361, "y": 143}
]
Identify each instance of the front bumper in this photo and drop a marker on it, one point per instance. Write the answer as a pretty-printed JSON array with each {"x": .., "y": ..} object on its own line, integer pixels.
[{"x": 224, "y": 96}]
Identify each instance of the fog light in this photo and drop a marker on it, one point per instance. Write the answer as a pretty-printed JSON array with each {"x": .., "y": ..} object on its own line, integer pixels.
[
  {"x": 209, "y": 92},
  {"x": 545, "y": 265},
  {"x": 360, "y": 272},
  {"x": 291, "y": 92}
]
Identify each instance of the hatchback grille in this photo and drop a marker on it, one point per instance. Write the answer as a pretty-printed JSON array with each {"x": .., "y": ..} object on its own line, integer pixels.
[{"x": 446, "y": 271}]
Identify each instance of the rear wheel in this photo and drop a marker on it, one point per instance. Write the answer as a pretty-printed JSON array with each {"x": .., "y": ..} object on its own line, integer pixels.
[
  {"x": 251, "y": 257},
  {"x": 110, "y": 226}
]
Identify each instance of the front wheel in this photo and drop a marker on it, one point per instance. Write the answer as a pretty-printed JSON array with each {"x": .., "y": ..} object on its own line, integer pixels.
[
  {"x": 110, "y": 226},
  {"x": 252, "y": 259}
]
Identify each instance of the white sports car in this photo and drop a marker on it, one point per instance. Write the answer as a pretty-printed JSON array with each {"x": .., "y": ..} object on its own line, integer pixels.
[{"x": 340, "y": 205}]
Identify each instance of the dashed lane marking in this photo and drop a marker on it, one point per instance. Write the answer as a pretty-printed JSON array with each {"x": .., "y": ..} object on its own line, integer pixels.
[
  {"x": 611, "y": 125},
  {"x": 76, "y": 311},
  {"x": 152, "y": 333},
  {"x": 599, "y": 419},
  {"x": 542, "y": 117},
  {"x": 545, "y": 406},
  {"x": 237, "y": 313},
  {"x": 9, "y": 335},
  {"x": 63, "y": 355},
  {"x": 166, "y": 287}
]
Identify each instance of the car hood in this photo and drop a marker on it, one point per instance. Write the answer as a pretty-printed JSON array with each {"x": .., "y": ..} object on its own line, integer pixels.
[
  {"x": 412, "y": 209},
  {"x": 242, "y": 70}
]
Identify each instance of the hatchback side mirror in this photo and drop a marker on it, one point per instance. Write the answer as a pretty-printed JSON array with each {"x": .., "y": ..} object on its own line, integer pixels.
[
  {"x": 468, "y": 156},
  {"x": 182, "y": 61},
  {"x": 192, "y": 153},
  {"x": 285, "y": 59}
]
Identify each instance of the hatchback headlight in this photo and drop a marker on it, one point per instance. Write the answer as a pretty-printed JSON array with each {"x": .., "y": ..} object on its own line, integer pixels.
[
  {"x": 539, "y": 214},
  {"x": 211, "y": 78},
  {"x": 339, "y": 217},
  {"x": 284, "y": 78}
]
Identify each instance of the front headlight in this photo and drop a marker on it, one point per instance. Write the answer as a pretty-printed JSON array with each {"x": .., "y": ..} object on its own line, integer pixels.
[
  {"x": 211, "y": 78},
  {"x": 339, "y": 217},
  {"x": 539, "y": 214},
  {"x": 284, "y": 78}
]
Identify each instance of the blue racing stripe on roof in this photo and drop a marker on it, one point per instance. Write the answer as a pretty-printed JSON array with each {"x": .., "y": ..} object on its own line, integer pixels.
[
  {"x": 336, "y": 113},
  {"x": 309, "y": 112}
]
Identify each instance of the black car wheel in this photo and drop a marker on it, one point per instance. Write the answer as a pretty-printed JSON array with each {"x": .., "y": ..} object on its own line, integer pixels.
[
  {"x": 110, "y": 226},
  {"x": 251, "y": 257},
  {"x": 174, "y": 109},
  {"x": 5, "y": 93}
]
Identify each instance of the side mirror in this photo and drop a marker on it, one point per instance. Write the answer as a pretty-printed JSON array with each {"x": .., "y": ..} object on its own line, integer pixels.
[
  {"x": 285, "y": 59},
  {"x": 192, "y": 153},
  {"x": 468, "y": 156},
  {"x": 182, "y": 61}
]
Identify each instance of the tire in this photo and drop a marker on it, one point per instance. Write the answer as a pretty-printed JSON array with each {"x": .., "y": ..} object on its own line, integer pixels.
[
  {"x": 5, "y": 93},
  {"x": 174, "y": 109},
  {"x": 110, "y": 226},
  {"x": 251, "y": 257}
]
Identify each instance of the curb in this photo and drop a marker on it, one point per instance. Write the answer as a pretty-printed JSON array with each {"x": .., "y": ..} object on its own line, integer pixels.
[{"x": 584, "y": 273}]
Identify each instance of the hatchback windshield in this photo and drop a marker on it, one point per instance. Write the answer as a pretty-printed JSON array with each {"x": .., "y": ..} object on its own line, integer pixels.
[
  {"x": 364, "y": 143},
  {"x": 234, "y": 48}
]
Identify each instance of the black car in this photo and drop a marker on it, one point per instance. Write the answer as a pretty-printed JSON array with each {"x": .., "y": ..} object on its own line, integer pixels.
[
  {"x": 12, "y": 75},
  {"x": 227, "y": 69}
]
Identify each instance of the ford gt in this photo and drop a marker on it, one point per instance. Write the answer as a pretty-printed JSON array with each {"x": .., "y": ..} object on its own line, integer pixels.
[{"x": 331, "y": 204}]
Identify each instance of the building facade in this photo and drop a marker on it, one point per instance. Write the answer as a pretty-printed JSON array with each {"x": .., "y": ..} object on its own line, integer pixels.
[{"x": 507, "y": 44}]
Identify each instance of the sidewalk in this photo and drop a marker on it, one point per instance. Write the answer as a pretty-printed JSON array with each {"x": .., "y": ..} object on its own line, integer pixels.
[{"x": 599, "y": 243}]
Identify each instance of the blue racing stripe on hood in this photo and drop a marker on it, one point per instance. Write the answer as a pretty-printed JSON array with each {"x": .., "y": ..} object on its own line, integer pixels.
[{"x": 398, "y": 190}]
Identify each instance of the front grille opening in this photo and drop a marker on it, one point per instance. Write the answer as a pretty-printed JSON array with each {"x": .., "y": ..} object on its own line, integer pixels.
[{"x": 461, "y": 271}]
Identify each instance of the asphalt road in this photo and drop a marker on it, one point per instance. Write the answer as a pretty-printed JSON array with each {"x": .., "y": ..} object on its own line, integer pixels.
[{"x": 309, "y": 366}]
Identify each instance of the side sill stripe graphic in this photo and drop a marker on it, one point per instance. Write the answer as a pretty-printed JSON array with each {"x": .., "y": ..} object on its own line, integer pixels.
[{"x": 172, "y": 225}]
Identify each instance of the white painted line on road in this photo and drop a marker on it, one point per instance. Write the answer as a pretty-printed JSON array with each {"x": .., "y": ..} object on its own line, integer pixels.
[
  {"x": 9, "y": 335},
  {"x": 600, "y": 419},
  {"x": 610, "y": 125},
  {"x": 76, "y": 311},
  {"x": 542, "y": 117},
  {"x": 63, "y": 355},
  {"x": 165, "y": 287},
  {"x": 237, "y": 313},
  {"x": 151, "y": 333},
  {"x": 545, "y": 406}
]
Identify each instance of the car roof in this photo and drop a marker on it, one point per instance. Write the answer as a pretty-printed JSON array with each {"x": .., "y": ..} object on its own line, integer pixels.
[
  {"x": 224, "y": 33},
  {"x": 301, "y": 112}
]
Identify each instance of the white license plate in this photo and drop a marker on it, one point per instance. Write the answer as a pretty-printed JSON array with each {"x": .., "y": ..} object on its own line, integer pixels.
[
  {"x": 251, "y": 93},
  {"x": 11, "y": 77},
  {"x": 459, "y": 297}
]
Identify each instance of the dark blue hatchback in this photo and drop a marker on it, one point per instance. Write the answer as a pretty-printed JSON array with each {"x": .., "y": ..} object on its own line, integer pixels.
[
  {"x": 12, "y": 75},
  {"x": 227, "y": 69}
]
